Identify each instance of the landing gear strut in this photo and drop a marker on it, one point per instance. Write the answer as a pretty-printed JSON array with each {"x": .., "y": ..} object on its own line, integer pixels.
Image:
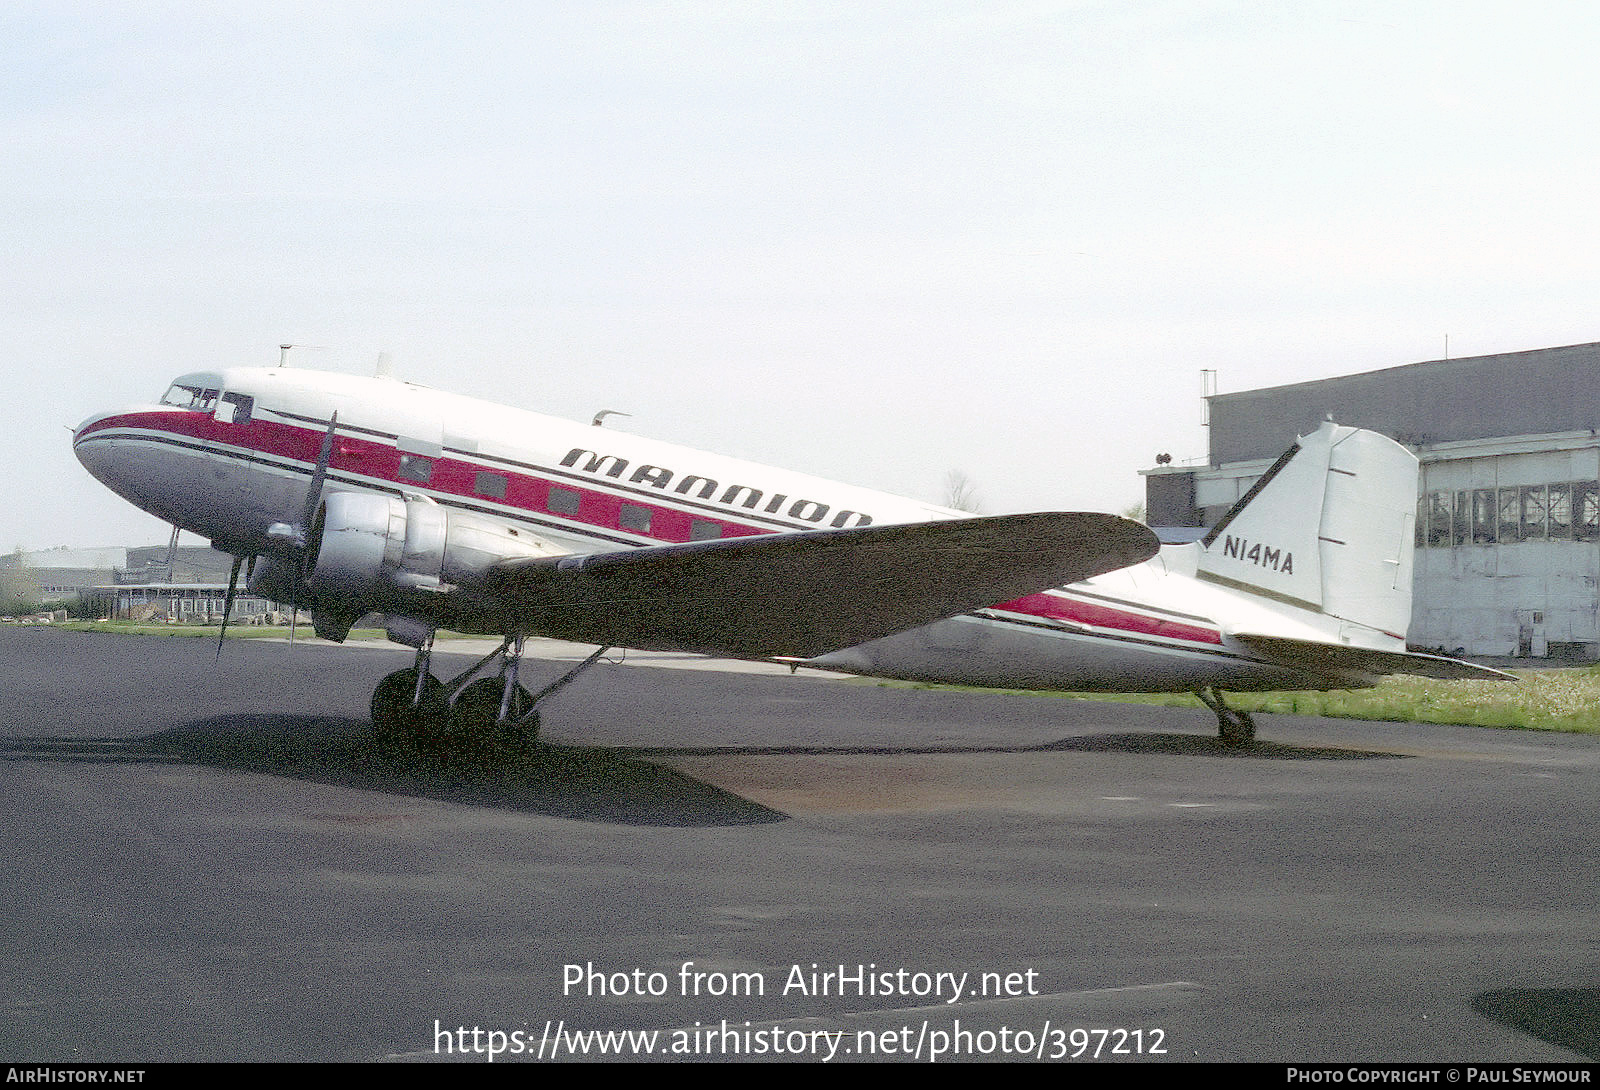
[
  {"x": 1234, "y": 727},
  {"x": 463, "y": 717}
]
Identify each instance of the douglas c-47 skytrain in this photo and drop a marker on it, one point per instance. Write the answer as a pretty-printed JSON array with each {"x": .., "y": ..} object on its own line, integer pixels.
[{"x": 350, "y": 495}]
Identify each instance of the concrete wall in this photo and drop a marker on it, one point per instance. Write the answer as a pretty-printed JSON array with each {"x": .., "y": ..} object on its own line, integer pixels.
[{"x": 1515, "y": 570}]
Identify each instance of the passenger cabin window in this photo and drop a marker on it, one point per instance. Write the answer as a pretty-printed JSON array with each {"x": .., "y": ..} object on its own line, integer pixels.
[
  {"x": 563, "y": 501},
  {"x": 414, "y": 467},
  {"x": 704, "y": 530},
  {"x": 635, "y": 518},
  {"x": 492, "y": 485}
]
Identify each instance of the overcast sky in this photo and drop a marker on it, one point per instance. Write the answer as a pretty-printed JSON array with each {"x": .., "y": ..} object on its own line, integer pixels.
[{"x": 873, "y": 241}]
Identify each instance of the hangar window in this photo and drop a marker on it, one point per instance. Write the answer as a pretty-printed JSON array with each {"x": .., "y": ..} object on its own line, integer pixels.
[
  {"x": 635, "y": 518},
  {"x": 704, "y": 530},
  {"x": 492, "y": 485},
  {"x": 1461, "y": 521},
  {"x": 1510, "y": 516},
  {"x": 1485, "y": 515},
  {"x": 1586, "y": 510},
  {"x": 414, "y": 467},
  {"x": 1439, "y": 519},
  {"x": 1533, "y": 511},
  {"x": 1558, "y": 512},
  {"x": 563, "y": 501}
]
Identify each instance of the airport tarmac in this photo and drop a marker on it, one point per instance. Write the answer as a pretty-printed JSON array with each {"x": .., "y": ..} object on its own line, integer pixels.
[{"x": 208, "y": 861}]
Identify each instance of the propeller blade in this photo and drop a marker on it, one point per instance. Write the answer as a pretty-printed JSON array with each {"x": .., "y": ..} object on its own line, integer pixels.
[
  {"x": 314, "y": 492},
  {"x": 313, "y": 496},
  {"x": 227, "y": 602}
]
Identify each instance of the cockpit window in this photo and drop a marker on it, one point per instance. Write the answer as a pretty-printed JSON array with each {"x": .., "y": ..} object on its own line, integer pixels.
[
  {"x": 190, "y": 397},
  {"x": 235, "y": 408}
]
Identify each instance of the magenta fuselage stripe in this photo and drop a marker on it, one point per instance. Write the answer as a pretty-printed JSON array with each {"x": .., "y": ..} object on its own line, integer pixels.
[
  {"x": 1058, "y": 608},
  {"x": 456, "y": 476},
  {"x": 353, "y": 454}
]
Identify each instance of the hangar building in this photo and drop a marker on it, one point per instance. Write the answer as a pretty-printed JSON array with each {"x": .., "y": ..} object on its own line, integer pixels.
[{"x": 1508, "y": 510}]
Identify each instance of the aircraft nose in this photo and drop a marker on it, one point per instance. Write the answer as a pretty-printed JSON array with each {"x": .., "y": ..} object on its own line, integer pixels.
[
  {"x": 103, "y": 447},
  {"x": 88, "y": 453}
]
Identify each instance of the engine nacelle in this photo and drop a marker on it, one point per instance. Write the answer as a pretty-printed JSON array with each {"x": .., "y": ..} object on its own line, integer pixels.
[{"x": 366, "y": 546}]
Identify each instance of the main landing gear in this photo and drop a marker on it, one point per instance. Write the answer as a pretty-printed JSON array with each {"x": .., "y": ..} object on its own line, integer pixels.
[
  {"x": 464, "y": 718},
  {"x": 1234, "y": 727}
]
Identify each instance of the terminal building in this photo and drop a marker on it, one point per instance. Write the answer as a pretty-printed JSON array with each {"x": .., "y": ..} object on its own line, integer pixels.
[
  {"x": 1508, "y": 506},
  {"x": 179, "y": 584},
  {"x": 182, "y": 603}
]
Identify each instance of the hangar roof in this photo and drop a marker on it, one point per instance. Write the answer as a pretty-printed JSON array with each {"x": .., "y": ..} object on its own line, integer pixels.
[{"x": 1535, "y": 392}]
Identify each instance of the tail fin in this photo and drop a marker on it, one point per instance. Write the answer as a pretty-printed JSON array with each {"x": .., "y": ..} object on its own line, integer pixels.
[{"x": 1329, "y": 527}]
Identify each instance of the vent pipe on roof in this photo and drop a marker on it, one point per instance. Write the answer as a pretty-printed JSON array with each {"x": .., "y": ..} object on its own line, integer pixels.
[{"x": 1208, "y": 389}]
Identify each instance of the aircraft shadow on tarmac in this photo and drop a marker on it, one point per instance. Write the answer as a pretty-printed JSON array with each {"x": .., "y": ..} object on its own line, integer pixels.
[
  {"x": 1172, "y": 744},
  {"x": 1569, "y": 1017},
  {"x": 621, "y": 785},
  {"x": 1209, "y": 745},
  {"x": 582, "y": 783}
]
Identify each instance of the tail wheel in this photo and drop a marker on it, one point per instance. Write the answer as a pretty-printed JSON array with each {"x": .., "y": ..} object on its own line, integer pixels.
[{"x": 1235, "y": 728}]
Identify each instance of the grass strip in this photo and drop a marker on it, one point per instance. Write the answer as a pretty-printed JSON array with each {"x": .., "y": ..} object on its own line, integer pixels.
[{"x": 1556, "y": 700}]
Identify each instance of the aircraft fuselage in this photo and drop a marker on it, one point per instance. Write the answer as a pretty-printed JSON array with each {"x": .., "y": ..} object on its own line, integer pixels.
[{"x": 229, "y": 455}]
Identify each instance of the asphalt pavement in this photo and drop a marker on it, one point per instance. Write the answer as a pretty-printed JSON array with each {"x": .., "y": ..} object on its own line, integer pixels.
[{"x": 209, "y": 860}]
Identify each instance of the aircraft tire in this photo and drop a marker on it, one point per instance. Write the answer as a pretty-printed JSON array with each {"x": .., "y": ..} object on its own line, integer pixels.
[
  {"x": 475, "y": 728},
  {"x": 523, "y": 738},
  {"x": 520, "y": 739},
  {"x": 400, "y": 724}
]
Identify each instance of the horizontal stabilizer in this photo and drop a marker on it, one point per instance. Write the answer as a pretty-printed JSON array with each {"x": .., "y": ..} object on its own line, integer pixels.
[
  {"x": 1344, "y": 659},
  {"x": 805, "y": 594}
]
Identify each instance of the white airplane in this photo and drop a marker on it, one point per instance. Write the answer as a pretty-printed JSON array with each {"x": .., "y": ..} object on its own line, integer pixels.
[{"x": 353, "y": 495}]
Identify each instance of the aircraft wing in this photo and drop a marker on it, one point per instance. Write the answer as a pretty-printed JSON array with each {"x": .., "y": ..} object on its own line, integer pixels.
[
  {"x": 805, "y": 594},
  {"x": 1339, "y": 658}
]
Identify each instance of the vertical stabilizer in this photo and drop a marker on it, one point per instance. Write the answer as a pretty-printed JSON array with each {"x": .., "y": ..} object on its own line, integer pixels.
[{"x": 1329, "y": 528}]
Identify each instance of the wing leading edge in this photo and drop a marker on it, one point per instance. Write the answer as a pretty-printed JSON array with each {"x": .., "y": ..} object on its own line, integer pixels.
[{"x": 806, "y": 594}]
